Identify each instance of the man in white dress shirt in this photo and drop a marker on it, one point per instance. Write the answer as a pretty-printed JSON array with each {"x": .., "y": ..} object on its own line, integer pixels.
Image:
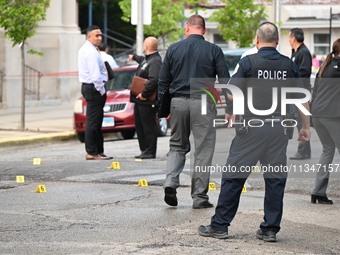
[{"x": 93, "y": 76}]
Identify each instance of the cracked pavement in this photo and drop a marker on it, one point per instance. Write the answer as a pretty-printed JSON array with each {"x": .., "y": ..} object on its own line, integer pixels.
[{"x": 91, "y": 209}]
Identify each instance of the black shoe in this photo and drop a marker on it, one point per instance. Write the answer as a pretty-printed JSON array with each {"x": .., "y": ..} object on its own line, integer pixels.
[
  {"x": 268, "y": 236},
  {"x": 170, "y": 196},
  {"x": 205, "y": 204},
  {"x": 207, "y": 231},
  {"x": 321, "y": 200},
  {"x": 147, "y": 156},
  {"x": 299, "y": 156},
  {"x": 138, "y": 156},
  {"x": 104, "y": 156}
]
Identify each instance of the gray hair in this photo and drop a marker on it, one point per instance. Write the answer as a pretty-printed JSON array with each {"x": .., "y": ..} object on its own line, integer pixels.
[{"x": 267, "y": 32}]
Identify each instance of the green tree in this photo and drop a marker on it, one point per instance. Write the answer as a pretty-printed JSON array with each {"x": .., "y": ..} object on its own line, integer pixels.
[
  {"x": 238, "y": 20},
  {"x": 19, "y": 19},
  {"x": 166, "y": 16}
]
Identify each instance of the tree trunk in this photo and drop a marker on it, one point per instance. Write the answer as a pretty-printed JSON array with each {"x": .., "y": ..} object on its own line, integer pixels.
[{"x": 22, "y": 126}]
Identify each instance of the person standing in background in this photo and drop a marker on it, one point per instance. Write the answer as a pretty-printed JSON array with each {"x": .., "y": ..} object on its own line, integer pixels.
[
  {"x": 326, "y": 119},
  {"x": 146, "y": 109},
  {"x": 106, "y": 57},
  {"x": 315, "y": 62},
  {"x": 303, "y": 59},
  {"x": 315, "y": 65},
  {"x": 93, "y": 76}
]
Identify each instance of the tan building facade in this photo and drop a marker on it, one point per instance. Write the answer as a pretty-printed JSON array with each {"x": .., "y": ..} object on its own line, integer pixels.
[{"x": 59, "y": 38}]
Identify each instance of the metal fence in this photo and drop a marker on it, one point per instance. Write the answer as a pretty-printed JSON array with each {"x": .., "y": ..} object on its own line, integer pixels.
[{"x": 32, "y": 83}]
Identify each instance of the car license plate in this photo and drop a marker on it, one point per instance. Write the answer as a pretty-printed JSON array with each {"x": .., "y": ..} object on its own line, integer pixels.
[{"x": 108, "y": 122}]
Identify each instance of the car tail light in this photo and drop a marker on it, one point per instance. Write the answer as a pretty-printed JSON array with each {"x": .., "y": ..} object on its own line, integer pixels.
[{"x": 78, "y": 106}]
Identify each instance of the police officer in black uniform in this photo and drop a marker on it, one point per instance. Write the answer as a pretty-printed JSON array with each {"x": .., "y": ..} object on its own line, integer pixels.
[
  {"x": 145, "y": 109},
  {"x": 267, "y": 142}
]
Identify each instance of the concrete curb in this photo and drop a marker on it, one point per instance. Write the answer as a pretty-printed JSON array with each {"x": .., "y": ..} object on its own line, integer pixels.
[{"x": 42, "y": 138}]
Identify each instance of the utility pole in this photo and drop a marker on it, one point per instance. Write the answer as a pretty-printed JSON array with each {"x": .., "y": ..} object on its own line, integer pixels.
[
  {"x": 330, "y": 30},
  {"x": 90, "y": 12},
  {"x": 278, "y": 19},
  {"x": 105, "y": 21},
  {"x": 141, "y": 14},
  {"x": 140, "y": 29}
]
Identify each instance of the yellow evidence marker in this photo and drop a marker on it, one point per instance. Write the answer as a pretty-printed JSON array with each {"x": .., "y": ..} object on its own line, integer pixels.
[
  {"x": 20, "y": 179},
  {"x": 212, "y": 186},
  {"x": 41, "y": 189},
  {"x": 244, "y": 189},
  {"x": 37, "y": 161},
  {"x": 115, "y": 165},
  {"x": 143, "y": 183}
]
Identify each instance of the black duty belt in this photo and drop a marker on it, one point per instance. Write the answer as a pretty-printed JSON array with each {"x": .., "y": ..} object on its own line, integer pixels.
[
  {"x": 267, "y": 119},
  {"x": 181, "y": 95}
]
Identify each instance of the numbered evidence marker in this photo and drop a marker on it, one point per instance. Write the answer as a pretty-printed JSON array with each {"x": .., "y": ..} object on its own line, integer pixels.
[
  {"x": 115, "y": 165},
  {"x": 41, "y": 189},
  {"x": 20, "y": 179},
  {"x": 37, "y": 161},
  {"x": 143, "y": 183},
  {"x": 244, "y": 189},
  {"x": 212, "y": 186}
]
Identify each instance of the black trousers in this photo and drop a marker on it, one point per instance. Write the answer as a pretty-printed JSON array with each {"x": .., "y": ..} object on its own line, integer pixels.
[
  {"x": 94, "y": 141},
  {"x": 268, "y": 145},
  {"x": 146, "y": 127}
]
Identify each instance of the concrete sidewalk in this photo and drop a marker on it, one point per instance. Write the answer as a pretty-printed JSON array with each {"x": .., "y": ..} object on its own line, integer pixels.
[{"x": 42, "y": 124}]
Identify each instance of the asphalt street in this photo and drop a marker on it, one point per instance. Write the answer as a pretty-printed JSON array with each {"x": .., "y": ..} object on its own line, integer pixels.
[{"x": 90, "y": 208}]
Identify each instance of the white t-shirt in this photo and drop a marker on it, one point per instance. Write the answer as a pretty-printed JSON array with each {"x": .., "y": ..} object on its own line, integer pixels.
[{"x": 109, "y": 59}]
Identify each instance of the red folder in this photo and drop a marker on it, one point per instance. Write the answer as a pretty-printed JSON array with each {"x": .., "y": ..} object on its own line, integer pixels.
[{"x": 138, "y": 86}]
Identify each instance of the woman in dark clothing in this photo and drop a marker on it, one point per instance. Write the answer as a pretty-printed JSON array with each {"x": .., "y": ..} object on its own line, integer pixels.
[{"x": 326, "y": 119}]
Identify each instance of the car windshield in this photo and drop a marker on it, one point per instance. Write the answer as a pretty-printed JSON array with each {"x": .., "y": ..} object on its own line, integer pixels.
[
  {"x": 122, "y": 80},
  {"x": 232, "y": 60}
]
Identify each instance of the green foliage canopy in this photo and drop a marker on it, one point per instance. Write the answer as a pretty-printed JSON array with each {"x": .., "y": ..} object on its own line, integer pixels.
[
  {"x": 238, "y": 20},
  {"x": 20, "y": 18},
  {"x": 166, "y": 16}
]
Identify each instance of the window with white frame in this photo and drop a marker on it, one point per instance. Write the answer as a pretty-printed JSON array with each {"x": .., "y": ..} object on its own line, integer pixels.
[{"x": 321, "y": 44}]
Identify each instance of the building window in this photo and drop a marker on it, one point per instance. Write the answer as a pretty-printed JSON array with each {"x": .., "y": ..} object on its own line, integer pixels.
[
  {"x": 219, "y": 40},
  {"x": 321, "y": 44}
]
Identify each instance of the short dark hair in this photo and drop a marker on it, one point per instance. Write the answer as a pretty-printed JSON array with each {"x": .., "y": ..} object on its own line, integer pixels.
[
  {"x": 267, "y": 32},
  {"x": 91, "y": 28},
  {"x": 102, "y": 47},
  {"x": 196, "y": 21},
  {"x": 298, "y": 34}
]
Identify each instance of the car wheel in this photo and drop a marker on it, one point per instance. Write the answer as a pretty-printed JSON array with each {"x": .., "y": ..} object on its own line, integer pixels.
[
  {"x": 81, "y": 137},
  {"x": 128, "y": 134},
  {"x": 162, "y": 127}
]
